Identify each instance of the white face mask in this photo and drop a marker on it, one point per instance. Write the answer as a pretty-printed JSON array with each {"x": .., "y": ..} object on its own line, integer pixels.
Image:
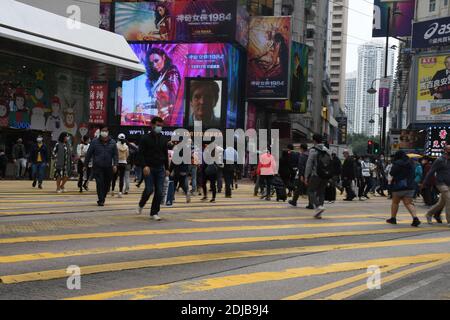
[
  {"x": 104, "y": 134},
  {"x": 157, "y": 129},
  {"x": 39, "y": 140}
]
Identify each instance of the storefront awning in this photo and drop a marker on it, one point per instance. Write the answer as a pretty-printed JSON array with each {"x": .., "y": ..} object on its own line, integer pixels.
[{"x": 27, "y": 31}]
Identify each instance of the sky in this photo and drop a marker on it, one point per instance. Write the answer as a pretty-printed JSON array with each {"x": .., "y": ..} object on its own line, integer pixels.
[{"x": 359, "y": 29}]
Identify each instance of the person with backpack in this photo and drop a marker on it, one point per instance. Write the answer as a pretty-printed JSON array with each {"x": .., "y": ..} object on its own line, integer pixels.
[
  {"x": 348, "y": 175},
  {"x": 403, "y": 187},
  {"x": 319, "y": 169},
  {"x": 330, "y": 191}
]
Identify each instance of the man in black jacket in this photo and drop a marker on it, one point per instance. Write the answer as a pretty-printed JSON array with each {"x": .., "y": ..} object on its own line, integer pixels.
[
  {"x": 154, "y": 156},
  {"x": 301, "y": 165},
  {"x": 38, "y": 159},
  {"x": 348, "y": 175},
  {"x": 103, "y": 152}
]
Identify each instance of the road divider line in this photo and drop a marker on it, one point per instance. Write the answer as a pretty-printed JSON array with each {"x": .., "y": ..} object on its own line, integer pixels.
[
  {"x": 79, "y": 236},
  {"x": 208, "y": 284},
  {"x": 194, "y": 243},
  {"x": 337, "y": 284},
  {"x": 356, "y": 290},
  {"x": 148, "y": 263}
]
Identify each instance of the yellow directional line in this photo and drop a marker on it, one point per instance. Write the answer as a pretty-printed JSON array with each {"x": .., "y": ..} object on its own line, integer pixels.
[
  {"x": 353, "y": 291},
  {"x": 337, "y": 284},
  {"x": 180, "y": 244},
  {"x": 78, "y": 236},
  {"x": 120, "y": 266},
  {"x": 165, "y": 209},
  {"x": 356, "y": 216},
  {"x": 208, "y": 284}
]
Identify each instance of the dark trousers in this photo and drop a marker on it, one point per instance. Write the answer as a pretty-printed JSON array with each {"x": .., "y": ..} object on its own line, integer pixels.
[
  {"x": 316, "y": 190},
  {"x": 330, "y": 190},
  {"x": 361, "y": 182},
  {"x": 219, "y": 179},
  {"x": 154, "y": 183},
  {"x": 267, "y": 181},
  {"x": 228, "y": 174},
  {"x": 213, "y": 181},
  {"x": 81, "y": 181},
  {"x": 103, "y": 177},
  {"x": 347, "y": 184},
  {"x": 368, "y": 183},
  {"x": 121, "y": 167},
  {"x": 181, "y": 181},
  {"x": 299, "y": 190},
  {"x": 3, "y": 171}
]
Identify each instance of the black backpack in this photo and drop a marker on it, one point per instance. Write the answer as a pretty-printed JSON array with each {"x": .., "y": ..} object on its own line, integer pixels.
[{"x": 325, "y": 168}]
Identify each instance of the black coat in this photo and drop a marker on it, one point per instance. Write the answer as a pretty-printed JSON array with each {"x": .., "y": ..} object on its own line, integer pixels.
[
  {"x": 34, "y": 153},
  {"x": 104, "y": 154},
  {"x": 348, "y": 169},
  {"x": 153, "y": 151}
]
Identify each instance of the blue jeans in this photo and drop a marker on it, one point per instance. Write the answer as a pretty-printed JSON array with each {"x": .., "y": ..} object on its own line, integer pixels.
[
  {"x": 154, "y": 182},
  {"x": 193, "y": 173},
  {"x": 38, "y": 172}
]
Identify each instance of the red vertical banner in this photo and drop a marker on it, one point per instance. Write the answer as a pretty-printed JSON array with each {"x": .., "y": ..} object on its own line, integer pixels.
[{"x": 98, "y": 100}]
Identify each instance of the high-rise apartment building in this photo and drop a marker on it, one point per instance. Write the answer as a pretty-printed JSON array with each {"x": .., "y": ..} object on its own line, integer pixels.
[
  {"x": 350, "y": 100},
  {"x": 338, "y": 50},
  {"x": 371, "y": 59}
]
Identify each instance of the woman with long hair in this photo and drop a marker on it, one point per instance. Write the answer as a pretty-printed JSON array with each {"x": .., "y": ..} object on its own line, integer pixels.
[
  {"x": 162, "y": 21},
  {"x": 403, "y": 187},
  {"x": 163, "y": 83}
]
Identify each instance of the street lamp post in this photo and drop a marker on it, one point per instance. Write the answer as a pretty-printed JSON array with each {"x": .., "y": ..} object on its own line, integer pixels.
[{"x": 383, "y": 133}]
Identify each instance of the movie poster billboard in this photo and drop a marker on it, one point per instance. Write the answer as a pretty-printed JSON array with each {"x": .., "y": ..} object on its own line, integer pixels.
[
  {"x": 268, "y": 58},
  {"x": 298, "y": 100},
  {"x": 433, "y": 88},
  {"x": 205, "y": 99},
  {"x": 176, "y": 20},
  {"x": 105, "y": 15},
  {"x": 242, "y": 23},
  {"x": 400, "y": 24},
  {"x": 161, "y": 91}
]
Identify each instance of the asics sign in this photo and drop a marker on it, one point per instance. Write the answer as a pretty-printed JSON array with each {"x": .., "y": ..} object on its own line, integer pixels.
[{"x": 431, "y": 33}]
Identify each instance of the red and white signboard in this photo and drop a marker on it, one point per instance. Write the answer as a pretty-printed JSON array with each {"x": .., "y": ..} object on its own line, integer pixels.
[{"x": 98, "y": 100}]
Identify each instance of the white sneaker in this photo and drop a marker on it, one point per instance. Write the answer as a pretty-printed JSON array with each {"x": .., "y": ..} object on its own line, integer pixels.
[
  {"x": 58, "y": 191},
  {"x": 156, "y": 217},
  {"x": 119, "y": 195},
  {"x": 63, "y": 190},
  {"x": 139, "y": 210},
  {"x": 319, "y": 212}
]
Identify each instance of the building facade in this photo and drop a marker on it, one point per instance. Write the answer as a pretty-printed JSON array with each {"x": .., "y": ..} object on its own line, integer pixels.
[
  {"x": 350, "y": 100},
  {"x": 371, "y": 60}
]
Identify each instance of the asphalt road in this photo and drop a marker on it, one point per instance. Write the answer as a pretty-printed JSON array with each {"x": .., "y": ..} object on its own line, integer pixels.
[{"x": 239, "y": 248}]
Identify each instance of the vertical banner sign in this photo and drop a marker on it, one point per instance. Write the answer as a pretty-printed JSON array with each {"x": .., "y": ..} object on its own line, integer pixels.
[
  {"x": 98, "y": 100},
  {"x": 298, "y": 100},
  {"x": 268, "y": 57},
  {"x": 384, "y": 92},
  {"x": 438, "y": 138},
  {"x": 401, "y": 23},
  {"x": 342, "y": 127},
  {"x": 433, "y": 88}
]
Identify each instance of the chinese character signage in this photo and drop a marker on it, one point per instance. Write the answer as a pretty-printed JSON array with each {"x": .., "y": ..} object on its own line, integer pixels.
[
  {"x": 181, "y": 20},
  {"x": 98, "y": 99},
  {"x": 400, "y": 24},
  {"x": 433, "y": 88},
  {"x": 268, "y": 58},
  {"x": 161, "y": 91},
  {"x": 431, "y": 33},
  {"x": 438, "y": 138}
]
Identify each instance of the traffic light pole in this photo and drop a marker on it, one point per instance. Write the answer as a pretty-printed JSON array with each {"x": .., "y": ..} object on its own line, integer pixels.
[{"x": 383, "y": 133}]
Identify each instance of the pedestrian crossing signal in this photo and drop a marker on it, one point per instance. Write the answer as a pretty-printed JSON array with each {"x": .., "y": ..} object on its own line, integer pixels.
[{"x": 370, "y": 147}]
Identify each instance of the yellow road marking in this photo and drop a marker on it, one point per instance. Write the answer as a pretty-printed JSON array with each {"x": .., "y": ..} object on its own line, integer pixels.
[
  {"x": 78, "y": 236},
  {"x": 356, "y": 216},
  {"x": 119, "y": 266},
  {"x": 353, "y": 291},
  {"x": 337, "y": 284},
  {"x": 258, "y": 277}
]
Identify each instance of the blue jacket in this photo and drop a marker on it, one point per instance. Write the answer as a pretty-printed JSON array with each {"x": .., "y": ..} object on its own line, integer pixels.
[
  {"x": 34, "y": 153},
  {"x": 103, "y": 154}
]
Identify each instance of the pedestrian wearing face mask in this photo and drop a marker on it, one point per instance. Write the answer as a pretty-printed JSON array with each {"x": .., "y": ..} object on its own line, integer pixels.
[
  {"x": 62, "y": 154},
  {"x": 154, "y": 155},
  {"x": 123, "y": 152},
  {"x": 103, "y": 152},
  {"x": 38, "y": 158},
  {"x": 84, "y": 172}
]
